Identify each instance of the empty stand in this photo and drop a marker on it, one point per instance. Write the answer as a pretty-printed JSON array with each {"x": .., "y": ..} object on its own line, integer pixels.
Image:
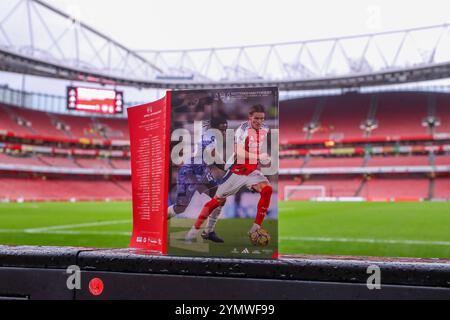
[
  {"x": 291, "y": 163},
  {"x": 334, "y": 162},
  {"x": 8, "y": 123},
  {"x": 59, "y": 162},
  {"x": 80, "y": 127},
  {"x": 380, "y": 161},
  {"x": 294, "y": 116},
  {"x": 41, "y": 123},
  {"x": 442, "y": 160},
  {"x": 121, "y": 164},
  {"x": 114, "y": 128},
  {"x": 382, "y": 188},
  {"x": 342, "y": 117},
  {"x": 44, "y": 124},
  {"x": 443, "y": 113},
  {"x": 93, "y": 163},
  {"x": 401, "y": 114},
  {"x": 65, "y": 162},
  {"x": 30, "y": 160},
  {"x": 39, "y": 189},
  {"x": 442, "y": 188}
]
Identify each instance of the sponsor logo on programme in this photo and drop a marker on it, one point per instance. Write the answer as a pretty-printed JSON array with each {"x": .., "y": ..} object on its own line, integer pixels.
[{"x": 245, "y": 251}]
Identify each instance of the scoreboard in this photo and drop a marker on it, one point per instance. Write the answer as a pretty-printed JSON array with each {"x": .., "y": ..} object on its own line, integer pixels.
[{"x": 104, "y": 101}]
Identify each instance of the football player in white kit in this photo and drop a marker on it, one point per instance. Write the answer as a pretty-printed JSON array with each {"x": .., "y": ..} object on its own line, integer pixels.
[{"x": 249, "y": 138}]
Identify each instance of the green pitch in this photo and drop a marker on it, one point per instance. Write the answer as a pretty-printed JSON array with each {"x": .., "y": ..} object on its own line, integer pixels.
[
  {"x": 405, "y": 229},
  {"x": 369, "y": 229}
]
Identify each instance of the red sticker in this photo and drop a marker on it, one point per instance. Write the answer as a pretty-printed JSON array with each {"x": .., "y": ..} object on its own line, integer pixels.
[{"x": 96, "y": 286}]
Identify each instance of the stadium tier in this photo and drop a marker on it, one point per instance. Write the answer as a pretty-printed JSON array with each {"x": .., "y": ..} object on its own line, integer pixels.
[
  {"x": 334, "y": 162},
  {"x": 352, "y": 116},
  {"x": 10, "y": 123},
  {"x": 321, "y": 169},
  {"x": 292, "y": 163},
  {"x": 443, "y": 160},
  {"x": 399, "y": 161},
  {"x": 399, "y": 114},
  {"x": 442, "y": 188},
  {"x": 63, "y": 162},
  {"x": 39, "y": 163},
  {"x": 389, "y": 146},
  {"x": 400, "y": 189},
  {"x": 443, "y": 113},
  {"x": 296, "y": 116},
  {"x": 339, "y": 120},
  {"x": 21, "y": 121},
  {"x": 59, "y": 162},
  {"x": 39, "y": 189},
  {"x": 37, "y": 122}
]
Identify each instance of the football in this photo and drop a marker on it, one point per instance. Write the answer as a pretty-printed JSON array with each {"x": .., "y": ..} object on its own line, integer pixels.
[{"x": 260, "y": 238}]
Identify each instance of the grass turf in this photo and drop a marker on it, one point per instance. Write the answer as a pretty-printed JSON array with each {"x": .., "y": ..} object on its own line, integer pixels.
[{"x": 367, "y": 228}]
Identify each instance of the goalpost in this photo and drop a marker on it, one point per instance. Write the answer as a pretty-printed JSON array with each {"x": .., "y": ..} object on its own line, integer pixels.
[{"x": 303, "y": 192}]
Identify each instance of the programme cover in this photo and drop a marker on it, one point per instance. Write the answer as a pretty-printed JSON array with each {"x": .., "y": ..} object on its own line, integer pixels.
[
  {"x": 223, "y": 180},
  {"x": 205, "y": 173}
]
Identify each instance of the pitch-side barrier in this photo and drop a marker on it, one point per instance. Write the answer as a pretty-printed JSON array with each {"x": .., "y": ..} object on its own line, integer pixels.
[{"x": 28, "y": 272}]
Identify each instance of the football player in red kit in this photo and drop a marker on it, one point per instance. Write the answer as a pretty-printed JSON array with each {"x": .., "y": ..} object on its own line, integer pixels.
[{"x": 249, "y": 138}]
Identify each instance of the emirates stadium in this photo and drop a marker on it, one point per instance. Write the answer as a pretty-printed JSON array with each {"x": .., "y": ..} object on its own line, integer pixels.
[{"x": 364, "y": 170}]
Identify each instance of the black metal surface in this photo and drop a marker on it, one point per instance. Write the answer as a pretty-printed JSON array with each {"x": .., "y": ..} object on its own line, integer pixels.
[
  {"x": 309, "y": 268},
  {"x": 38, "y": 257},
  {"x": 34, "y": 284},
  {"x": 134, "y": 286},
  {"x": 28, "y": 272}
]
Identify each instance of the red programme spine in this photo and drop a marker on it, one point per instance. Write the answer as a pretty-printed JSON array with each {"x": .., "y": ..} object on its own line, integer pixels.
[{"x": 149, "y": 126}]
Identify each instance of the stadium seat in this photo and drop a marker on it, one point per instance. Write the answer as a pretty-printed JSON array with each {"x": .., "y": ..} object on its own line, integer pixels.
[
  {"x": 401, "y": 114},
  {"x": 316, "y": 162},
  {"x": 404, "y": 160},
  {"x": 342, "y": 117},
  {"x": 396, "y": 188}
]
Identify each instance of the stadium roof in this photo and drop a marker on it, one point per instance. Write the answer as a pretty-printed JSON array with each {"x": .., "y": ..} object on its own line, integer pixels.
[{"x": 53, "y": 44}]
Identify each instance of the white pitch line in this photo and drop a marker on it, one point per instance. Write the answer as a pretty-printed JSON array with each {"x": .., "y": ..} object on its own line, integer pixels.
[
  {"x": 358, "y": 240},
  {"x": 62, "y": 230},
  {"x": 69, "y": 232},
  {"x": 91, "y": 233},
  {"x": 73, "y": 226}
]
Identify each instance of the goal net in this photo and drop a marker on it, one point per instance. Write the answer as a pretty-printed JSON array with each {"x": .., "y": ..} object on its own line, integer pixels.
[{"x": 303, "y": 192}]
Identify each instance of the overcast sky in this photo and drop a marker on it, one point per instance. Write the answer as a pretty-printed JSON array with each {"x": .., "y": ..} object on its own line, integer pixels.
[
  {"x": 184, "y": 24},
  {"x": 179, "y": 24}
]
